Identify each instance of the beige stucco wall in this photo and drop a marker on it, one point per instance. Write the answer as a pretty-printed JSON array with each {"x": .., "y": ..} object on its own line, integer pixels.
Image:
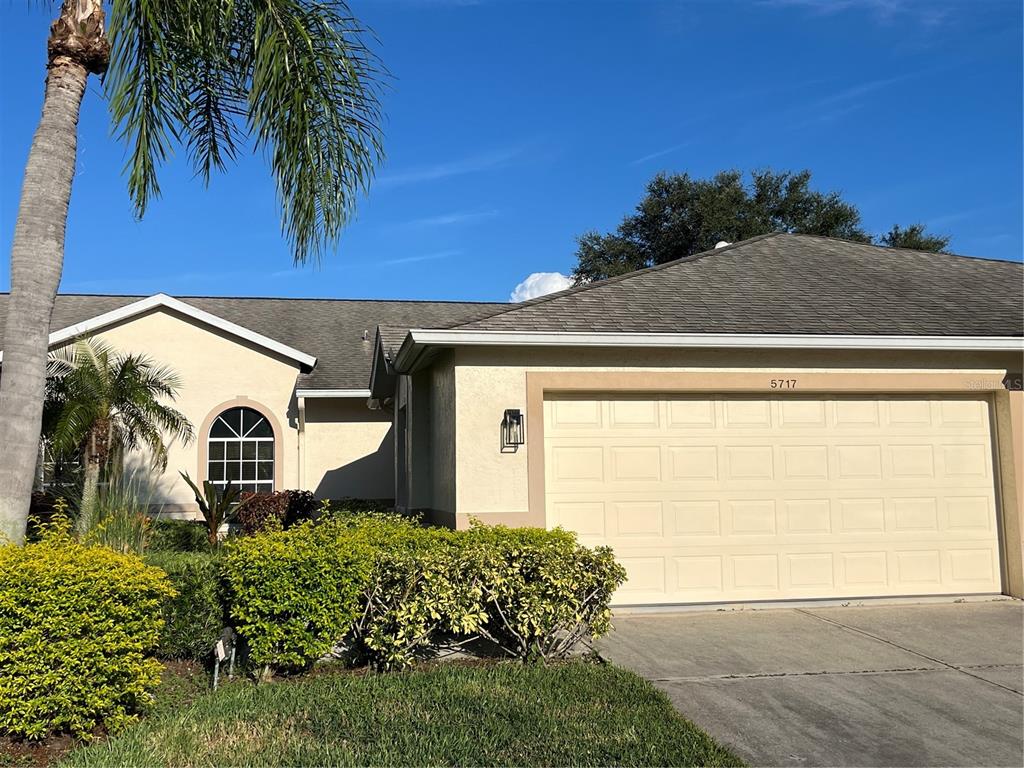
[
  {"x": 214, "y": 368},
  {"x": 348, "y": 449},
  {"x": 494, "y": 486}
]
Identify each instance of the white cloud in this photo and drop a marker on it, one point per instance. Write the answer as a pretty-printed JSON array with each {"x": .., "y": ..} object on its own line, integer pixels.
[
  {"x": 540, "y": 284},
  {"x": 421, "y": 257},
  {"x": 929, "y": 13},
  {"x": 484, "y": 161},
  {"x": 449, "y": 219},
  {"x": 660, "y": 153}
]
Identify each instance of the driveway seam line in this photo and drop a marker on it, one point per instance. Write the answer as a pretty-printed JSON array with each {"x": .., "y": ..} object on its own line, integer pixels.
[
  {"x": 769, "y": 675},
  {"x": 859, "y": 631}
]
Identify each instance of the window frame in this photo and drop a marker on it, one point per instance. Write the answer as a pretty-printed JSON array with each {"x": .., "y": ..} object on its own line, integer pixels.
[{"x": 242, "y": 436}]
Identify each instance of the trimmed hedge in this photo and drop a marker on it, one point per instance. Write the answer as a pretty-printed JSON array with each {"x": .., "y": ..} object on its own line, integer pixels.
[
  {"x": 541, "y": 590},
  {"x": 293, "y": 594},
  {"x": 194, "y": 617},
  {"x": 388, "y": 590},
  {"x": 424, "y": 584},
  {"x": 77, "y": 627}
]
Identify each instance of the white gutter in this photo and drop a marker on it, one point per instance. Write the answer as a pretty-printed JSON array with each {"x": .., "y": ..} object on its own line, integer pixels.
[
  {"x": 455, "y": 338},
  {"x": 301, "y": 442},
  {"x": 311, "y": 393}
]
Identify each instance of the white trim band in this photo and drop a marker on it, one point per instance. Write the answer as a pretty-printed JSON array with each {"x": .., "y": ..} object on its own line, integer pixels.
[
  {"x": 169, "y": 302},
  {"x": 459, "y": 338},
  {"x": 332, "y": 393}
]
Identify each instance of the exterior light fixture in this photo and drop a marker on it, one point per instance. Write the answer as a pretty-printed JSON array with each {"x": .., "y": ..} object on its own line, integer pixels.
[{"x": 513, "y": 431}]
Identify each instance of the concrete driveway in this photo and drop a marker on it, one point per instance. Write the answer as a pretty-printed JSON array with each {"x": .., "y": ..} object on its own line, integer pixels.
[{"x": 934, "y": 684}]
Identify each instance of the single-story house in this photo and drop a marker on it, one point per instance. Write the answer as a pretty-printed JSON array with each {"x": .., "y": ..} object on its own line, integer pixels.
[{"x": 787, "y": 417}]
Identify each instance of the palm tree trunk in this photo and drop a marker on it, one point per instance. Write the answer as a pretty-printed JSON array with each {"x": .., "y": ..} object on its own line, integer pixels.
[
  {"x": 96, "y": 456},
  {"x": 90, "y": 492},
  {"x": 77, "y": 46}
]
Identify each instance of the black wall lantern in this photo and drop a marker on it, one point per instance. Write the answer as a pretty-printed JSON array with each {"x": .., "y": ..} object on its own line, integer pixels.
[{"x": 513, "y": 430}]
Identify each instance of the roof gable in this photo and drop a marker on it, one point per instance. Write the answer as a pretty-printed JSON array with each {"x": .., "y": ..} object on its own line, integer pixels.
[
  {"x": 133, "y": 309},
  {"x": 337, "y": 332}
]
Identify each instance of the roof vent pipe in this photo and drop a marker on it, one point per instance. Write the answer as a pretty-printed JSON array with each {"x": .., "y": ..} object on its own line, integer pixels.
[{"x": 722, "y": 244}]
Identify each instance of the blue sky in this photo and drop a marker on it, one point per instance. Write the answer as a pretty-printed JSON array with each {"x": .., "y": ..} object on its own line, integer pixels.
[{"x": 514, "y": 126}]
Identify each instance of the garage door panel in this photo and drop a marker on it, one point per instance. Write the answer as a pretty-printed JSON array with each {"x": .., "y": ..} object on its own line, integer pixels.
[
  {"x": 972, "y": 565},
  {"x": 751, "y": 517},
  {"x": 801, "y": 413},
  {"x": 856, "y": 414},
  {"x": 690, "y": 414},
  {"x": 692, "y": 463},
  {"x": 968, "y": 514},
  {"x": 633, "y": 414},
  {"x": 845, "y": 497},
  {"x": 695, "y": 517},
  {"x": 634, "y": 463},
  {"x": 637, "y": 519},
  {"x": 806, "y": 517},
  {"x": 810, "y": 571}
]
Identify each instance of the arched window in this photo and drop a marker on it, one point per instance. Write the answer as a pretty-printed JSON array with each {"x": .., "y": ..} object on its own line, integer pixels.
[{"x": 241, "y": 450}]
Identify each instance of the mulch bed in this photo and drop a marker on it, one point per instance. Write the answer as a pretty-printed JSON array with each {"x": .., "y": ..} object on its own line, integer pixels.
[
  {"x": 186, "y": 681},
  {"x": 35, "y": 753}
]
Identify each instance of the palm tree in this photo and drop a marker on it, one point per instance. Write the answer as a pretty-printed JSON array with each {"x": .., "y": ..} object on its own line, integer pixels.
[
  {"x": 107, "y": 404},
  {"x": 293, "y": 78}
]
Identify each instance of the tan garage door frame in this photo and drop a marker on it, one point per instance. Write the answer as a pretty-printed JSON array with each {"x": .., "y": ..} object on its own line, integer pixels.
[{"x": 1007, "y": 409}]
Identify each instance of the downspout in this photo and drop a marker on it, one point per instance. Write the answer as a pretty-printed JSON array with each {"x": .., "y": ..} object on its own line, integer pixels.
[{"x": 301, "y": 402}]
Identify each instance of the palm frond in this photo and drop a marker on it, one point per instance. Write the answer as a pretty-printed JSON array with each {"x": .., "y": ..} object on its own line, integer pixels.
[
  {"x": 295, "y": 75},
  {"x": 129, "y": 392},
  {"x": 142, "y": 88},
  {"x": 314, "y": 108}
]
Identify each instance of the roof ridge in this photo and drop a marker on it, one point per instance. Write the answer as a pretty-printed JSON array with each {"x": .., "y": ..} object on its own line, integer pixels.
[
  {"x": 626, "y": 276},
  {"x": 901, "y": 250},
  {"x": 276, "y": 298}
]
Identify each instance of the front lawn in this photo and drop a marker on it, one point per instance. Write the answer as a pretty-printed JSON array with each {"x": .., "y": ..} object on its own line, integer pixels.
[{"x": 576, "y": 713}]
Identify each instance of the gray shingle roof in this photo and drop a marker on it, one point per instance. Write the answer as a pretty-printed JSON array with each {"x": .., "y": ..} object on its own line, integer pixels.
[
  {"x": 330, "y": 329},
  {"x": 776, "y": 283},
  {"x": 782, "y": 283},
  {"x": 392, "y": 336}
]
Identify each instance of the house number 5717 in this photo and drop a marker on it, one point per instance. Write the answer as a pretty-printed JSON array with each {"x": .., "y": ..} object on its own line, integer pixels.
[{"x": 783, "y": 383}]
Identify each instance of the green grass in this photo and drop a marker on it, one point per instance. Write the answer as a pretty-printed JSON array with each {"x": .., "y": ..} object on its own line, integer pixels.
[{"x": 499, "y": 714}]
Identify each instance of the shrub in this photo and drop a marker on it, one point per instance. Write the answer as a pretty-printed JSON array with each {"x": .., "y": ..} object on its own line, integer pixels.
[
  {"x": 44, "y": 510},
  {"x": 77, "y": 625},
  {"x": 293, "y": 594},
  {"x": 533, "y": 593},
  {"x": 178, "y": 536},
  {"x": 352, "y": 506},
  {"x": 302, "y": 506},
  {"x": 542, "y": 591},
  {"x": 274, "y": 511},
  {"x": 259, "y": 512},
  {"x": 194, "y": 617},
  {"x": 119, "y": 517},
  {"x": 421, "y": 586}
]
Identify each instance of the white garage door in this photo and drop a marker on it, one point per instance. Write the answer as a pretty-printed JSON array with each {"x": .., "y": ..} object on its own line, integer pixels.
[{"x": 754, "y": 498}]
